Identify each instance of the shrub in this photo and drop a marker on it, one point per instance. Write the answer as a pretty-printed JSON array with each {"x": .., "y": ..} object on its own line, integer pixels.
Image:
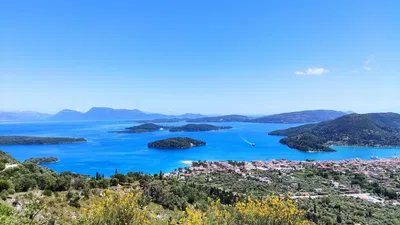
[
  {"x": 4, "y": 185},
  {"x": 24, "y": 183},
  {"x": 2, "y": 166},
  {"x": 47, "y": 193}
]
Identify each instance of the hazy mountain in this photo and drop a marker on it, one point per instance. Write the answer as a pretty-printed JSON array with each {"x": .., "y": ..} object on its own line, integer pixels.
[
  {"x": 371, "y": 130},
  {"x": 104, "y": 113},
  {"x": 307, "y": 116},
  {"x": 23, "y": 116},
  {"x": 68, "y": 114}
]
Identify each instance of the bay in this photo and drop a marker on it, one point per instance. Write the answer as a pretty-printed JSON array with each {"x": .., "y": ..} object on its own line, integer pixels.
[{"x": 105, "y": 152}]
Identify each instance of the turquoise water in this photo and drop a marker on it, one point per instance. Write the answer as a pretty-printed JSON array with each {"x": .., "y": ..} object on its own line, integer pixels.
[{"x": 104, "y": 152}]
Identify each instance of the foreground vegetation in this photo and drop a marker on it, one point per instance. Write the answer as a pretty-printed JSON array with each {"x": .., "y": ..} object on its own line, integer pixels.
[{"x": 36, "y": 195}]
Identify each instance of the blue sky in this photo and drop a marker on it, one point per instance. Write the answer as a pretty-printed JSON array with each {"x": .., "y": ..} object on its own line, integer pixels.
[{"x": 214, "y": 57}]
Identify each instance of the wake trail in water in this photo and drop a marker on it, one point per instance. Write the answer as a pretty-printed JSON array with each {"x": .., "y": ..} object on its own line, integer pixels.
[{"x": 245, "y": 140}]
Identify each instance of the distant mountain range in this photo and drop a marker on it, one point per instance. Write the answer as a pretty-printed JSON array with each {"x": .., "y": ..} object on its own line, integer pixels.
[
  {"x": 307, "y": 116},
  {"x": 104, "y": 113},
  {"x": 23, "y": 116},
  {"x": 369, "y": 130}
]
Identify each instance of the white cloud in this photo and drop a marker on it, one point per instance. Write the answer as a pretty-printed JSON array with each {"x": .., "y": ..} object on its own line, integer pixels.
[
  {"x": 367, "y": 68},
  {"x": 367, "y": 63},
  {"x": 316, "y": 71},
  {"x": 312, "y": 71}
]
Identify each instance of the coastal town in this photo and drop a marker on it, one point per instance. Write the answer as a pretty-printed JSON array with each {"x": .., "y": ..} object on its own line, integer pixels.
[{"x": 384, "y": 172}]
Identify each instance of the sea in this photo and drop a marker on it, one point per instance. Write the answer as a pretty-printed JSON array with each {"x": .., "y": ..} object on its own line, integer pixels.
[{"x": 105, "y": 152}]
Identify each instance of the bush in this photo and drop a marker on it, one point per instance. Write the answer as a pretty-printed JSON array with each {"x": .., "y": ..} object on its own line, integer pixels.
[
  {"x": 25, "y": 183},
  {"x": 4, "y": 185},
  {"x": 2, "y": 166},
  {"x": 114, "y": 182},
  {"x": 47, "y": 193}
]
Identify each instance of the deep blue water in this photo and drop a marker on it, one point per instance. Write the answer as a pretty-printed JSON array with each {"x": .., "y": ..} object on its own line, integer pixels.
[{"x": 104, "y": 152}]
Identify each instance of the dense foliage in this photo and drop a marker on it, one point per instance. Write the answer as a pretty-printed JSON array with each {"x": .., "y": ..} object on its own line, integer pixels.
[
  {"x": 306, "y": 142},
  {"x": 176, "y": 143},
  {"x": 29, "y": 140},
  {"x": 372, "y": 130}
]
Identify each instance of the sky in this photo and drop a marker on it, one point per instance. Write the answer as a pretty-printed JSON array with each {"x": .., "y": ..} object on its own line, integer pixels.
[{"x": 210, "y": 57}]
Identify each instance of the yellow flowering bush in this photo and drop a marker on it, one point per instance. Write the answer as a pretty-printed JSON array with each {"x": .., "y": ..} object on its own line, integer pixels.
[
  {"x": 117, "y": 208},
  {"x": 270, "y": 211},
  {"x": 120, "y": 208}
]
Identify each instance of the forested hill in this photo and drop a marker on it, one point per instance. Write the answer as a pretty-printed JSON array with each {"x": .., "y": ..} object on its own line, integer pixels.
[
  {"x": 308, "y": 116},
  {"x": 370, "y": 130}
]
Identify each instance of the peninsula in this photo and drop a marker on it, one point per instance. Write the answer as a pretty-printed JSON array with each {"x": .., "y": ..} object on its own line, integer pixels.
[
  {"x": 365, "y": 130},
  {"x": 31, "y": 140},
  {"x": 176, "y": 143},
  {"x": 42, "y": 160}
]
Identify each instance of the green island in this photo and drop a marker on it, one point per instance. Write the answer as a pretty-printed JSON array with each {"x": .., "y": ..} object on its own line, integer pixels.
[
  {"x": 176, "y": 143},
  {"x": 151, "y": 127},
  {"x": 30, "y": 140},
  {"x": 42, "y": 160},
  {"x": 365, "y": 130},
  {"x": 143, "y": 128},
  {"x": 220, "y": 192},
  {"x": 198, "y": 128}
]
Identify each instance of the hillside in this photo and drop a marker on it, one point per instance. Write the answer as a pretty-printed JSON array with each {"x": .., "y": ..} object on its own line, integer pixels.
[
  {"x": 176, "y": 143},
  {"x": 30, "y": 140},
  {"x": 369, "y": 130},
  {"x": 228, "y": 118},
  {"x": 308, "y": 116}
]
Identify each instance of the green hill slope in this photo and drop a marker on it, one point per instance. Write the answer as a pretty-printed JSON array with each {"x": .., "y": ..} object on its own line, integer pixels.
[{"x": 370, "y": 130}]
